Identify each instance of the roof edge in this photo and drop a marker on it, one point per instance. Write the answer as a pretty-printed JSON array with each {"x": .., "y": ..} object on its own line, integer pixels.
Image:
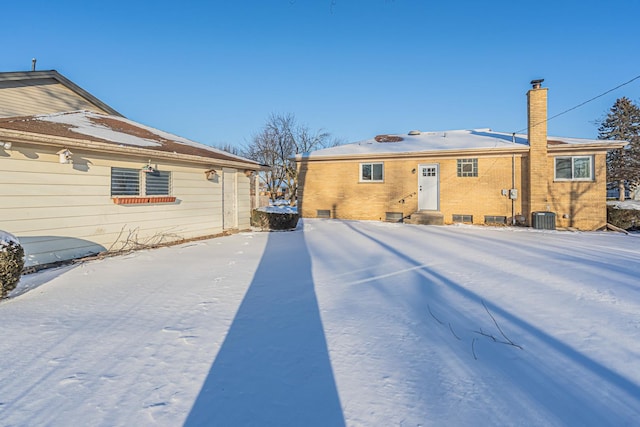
[
  {"x": 30, "y": 138},
  {"x": 418, "y": 154}
]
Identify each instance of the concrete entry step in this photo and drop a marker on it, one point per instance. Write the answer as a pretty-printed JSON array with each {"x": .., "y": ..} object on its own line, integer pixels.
[{"x": 426, "y": 218}]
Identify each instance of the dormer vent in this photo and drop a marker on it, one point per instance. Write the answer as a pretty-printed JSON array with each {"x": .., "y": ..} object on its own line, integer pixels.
[{"x": 414, "y": 132}]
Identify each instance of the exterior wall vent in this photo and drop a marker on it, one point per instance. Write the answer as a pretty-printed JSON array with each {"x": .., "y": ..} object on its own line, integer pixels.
[
  {"x": 393, "y": 217},
  {"x": 543, "y": 220},
  {"x": 323, "y": 213}
]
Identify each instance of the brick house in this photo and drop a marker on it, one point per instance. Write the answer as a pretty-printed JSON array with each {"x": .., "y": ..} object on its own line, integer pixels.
[{"x": 473, "y": 176}]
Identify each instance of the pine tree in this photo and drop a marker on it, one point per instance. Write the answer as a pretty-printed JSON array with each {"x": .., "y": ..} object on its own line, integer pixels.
[{"x": 623, "y": 123}]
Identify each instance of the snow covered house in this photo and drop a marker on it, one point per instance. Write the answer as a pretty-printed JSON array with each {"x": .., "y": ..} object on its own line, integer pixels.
[
  {"x": 79, "y": 178},
  {"x": 472, "y": 176}
]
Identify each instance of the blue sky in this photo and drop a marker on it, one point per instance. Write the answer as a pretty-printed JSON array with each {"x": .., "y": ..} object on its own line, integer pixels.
[{"x": 213, "y": 71}]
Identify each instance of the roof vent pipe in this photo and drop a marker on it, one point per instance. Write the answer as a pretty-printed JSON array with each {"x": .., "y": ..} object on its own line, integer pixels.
[{"x": 33, "y": 64}]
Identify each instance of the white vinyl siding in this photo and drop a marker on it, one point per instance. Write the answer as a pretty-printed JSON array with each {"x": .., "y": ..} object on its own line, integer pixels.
[
  {"x": 61, "y": 211},
  {"x": 40, "y": 96},
  {"x": 244, "y": 200}
]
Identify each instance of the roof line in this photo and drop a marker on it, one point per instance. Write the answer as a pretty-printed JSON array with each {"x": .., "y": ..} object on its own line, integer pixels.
[
  {"x": 53, "y": 74},
  {"x": 30, "y": 138}
]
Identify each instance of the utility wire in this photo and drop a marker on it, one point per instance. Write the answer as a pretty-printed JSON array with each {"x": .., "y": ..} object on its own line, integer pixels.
[{"x": 583, "y": 103}]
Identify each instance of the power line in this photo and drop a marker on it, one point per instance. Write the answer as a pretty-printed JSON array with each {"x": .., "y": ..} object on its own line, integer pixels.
[{"x": 583, "y": 103}]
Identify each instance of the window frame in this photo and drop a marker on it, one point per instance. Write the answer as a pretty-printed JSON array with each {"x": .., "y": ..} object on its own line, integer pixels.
[
  {"x": 128, "y": 186},
  {"x": 160, "y": 175},
  {"x": 371, "y": 164},
  {"x": 573, "y": 160},
  {"x": 141, "y": 183},
  {"x": 460, "y": 163}
]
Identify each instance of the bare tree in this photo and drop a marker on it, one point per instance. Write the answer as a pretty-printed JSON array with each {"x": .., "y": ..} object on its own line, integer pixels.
[
  {"x": 231, "y": 149},
  {"x": 276, "y": 145}
]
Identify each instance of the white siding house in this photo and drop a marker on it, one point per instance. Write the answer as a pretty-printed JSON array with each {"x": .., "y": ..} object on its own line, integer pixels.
[{"x": 76, "y": 183}]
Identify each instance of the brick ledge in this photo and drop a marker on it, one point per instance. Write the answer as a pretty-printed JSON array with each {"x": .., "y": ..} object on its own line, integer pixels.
[{"x": 143, "y": 200}]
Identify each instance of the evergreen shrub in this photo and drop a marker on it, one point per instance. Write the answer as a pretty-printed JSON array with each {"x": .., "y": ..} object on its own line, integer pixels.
[
  {"x": 11, "y": 265},
  {"x": 274, "y": 220}
]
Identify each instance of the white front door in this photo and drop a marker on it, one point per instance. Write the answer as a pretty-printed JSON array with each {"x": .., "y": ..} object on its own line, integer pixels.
[{"x": 428, "y": 187}]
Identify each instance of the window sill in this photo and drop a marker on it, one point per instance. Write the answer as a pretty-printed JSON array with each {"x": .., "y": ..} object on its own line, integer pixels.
[{"x": 142, "y": 200}]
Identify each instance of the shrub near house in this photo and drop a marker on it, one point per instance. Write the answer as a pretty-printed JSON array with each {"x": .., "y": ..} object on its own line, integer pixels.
[{"x": 11, "y": 263}]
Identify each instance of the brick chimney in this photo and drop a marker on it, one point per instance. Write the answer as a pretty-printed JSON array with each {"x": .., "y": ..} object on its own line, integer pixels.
[{"x": 537, "y": 135}]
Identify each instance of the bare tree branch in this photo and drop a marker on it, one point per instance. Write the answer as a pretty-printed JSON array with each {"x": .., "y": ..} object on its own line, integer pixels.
[{"x": 276, "y": 145}]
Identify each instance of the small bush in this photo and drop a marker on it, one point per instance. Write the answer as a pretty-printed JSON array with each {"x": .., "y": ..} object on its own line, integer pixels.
[
  {"x": 627, "y": 219},
  {"x": 11, "y": 265},
  {"x": 274, "y": 220}
]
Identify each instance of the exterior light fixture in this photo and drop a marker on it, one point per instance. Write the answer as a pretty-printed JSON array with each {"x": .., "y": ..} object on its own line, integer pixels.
[
  {"x": 148, "y": 168},
  {"x": 64, "y": 156},
  {"x": 6, "y": 145},
  {"x": 211, "y": 174}
]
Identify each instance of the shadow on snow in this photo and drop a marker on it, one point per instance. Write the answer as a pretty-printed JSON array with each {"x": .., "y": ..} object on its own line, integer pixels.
[
  {"x": 583, "y": 407},
  {"x": 274, "y": 366}
]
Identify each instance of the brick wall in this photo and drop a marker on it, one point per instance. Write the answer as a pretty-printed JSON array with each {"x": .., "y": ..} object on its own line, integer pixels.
[{"x": 335, "y": 186}]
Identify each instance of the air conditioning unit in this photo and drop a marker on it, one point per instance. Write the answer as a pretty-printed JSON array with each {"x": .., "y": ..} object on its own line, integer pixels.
[{"x": 543, "y": 220}]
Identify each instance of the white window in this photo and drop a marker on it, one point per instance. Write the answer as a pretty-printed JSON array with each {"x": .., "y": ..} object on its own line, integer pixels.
[
  {"x": 371, "y": 172},
  {"x": 574, "y": 168},
  {"x": 128, "y": 182}
]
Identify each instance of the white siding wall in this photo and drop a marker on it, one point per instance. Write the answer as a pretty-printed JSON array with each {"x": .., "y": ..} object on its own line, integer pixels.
[
  {"x": 61, "y": 211},
  {"x": 230, "y": 198},
  {"x": 244, "y": 201},
  {"x": 39, "y": 96}
]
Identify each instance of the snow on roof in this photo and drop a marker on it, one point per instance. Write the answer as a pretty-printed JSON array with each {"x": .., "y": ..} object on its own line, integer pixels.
[
  {"x": 113, "y": 129},
  {"x": 440, "y": 141}
]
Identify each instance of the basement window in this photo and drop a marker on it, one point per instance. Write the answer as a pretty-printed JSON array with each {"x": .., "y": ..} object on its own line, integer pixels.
[
  {"x": 495, "y": 220},
  {"x": 460, "y": 218},
  {"x": 467, "y": 167},
  {"x": 371, "y": 172},
  {"x": 574, "y": 168}
]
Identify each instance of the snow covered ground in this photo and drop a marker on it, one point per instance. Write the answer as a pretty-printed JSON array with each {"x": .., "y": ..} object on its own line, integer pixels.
[{"x": 337, "y": 323}]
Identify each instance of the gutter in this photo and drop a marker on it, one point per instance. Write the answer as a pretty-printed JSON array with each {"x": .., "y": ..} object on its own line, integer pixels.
[{"x": 19, "y": 137}]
